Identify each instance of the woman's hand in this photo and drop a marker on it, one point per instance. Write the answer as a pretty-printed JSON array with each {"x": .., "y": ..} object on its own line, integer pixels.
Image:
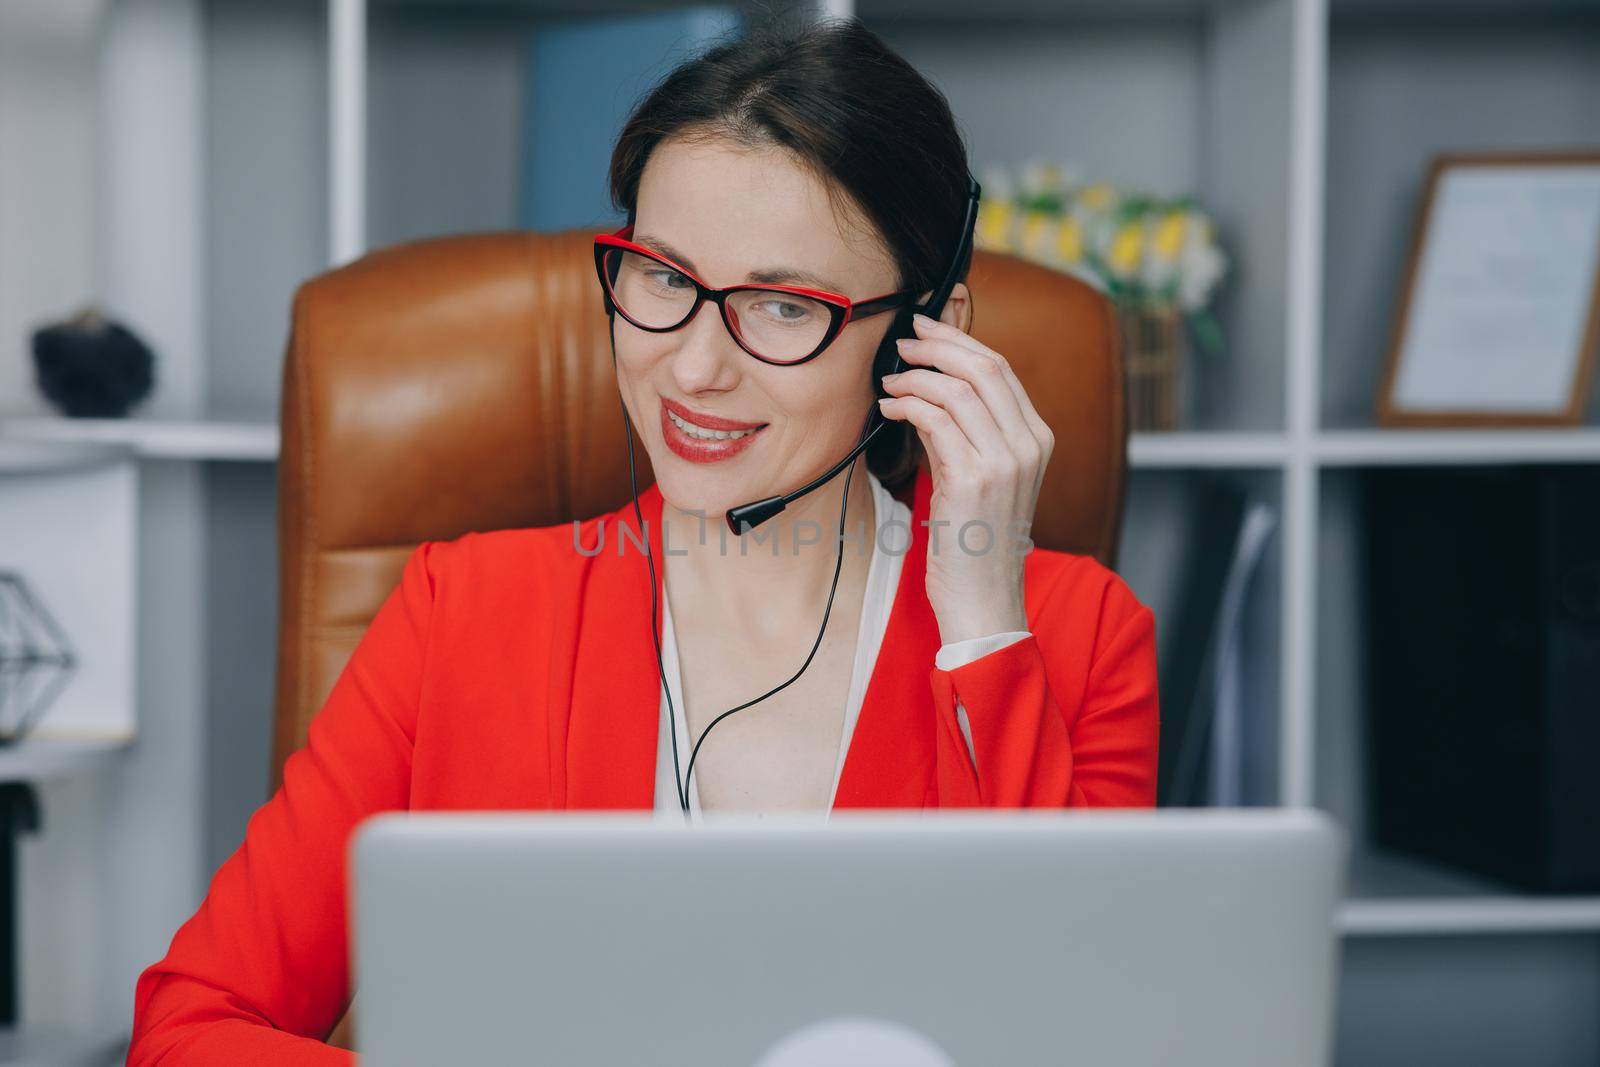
[{"x": 987, "y": 449}]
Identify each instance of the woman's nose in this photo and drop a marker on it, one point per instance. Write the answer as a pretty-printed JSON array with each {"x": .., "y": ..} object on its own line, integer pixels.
[{"x": 707, "y": 356}]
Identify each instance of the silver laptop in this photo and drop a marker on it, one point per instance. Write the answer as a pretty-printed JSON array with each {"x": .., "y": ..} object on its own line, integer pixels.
[{"x": 1134, "y": 938}]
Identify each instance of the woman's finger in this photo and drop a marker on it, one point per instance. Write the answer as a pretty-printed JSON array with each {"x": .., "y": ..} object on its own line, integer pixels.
[
  {"x": 940, "y": 434},
  {"x": 964, "y": 402},
  {"x": 961, "y": 366},
  {"x": 931, "y": 329}
]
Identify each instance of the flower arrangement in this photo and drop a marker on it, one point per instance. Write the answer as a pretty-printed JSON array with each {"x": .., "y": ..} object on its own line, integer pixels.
[{"x": 1144, "y": 252}]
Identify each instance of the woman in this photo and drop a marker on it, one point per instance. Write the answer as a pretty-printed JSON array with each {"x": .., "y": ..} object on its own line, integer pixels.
[{"x": 516, "y": 669}]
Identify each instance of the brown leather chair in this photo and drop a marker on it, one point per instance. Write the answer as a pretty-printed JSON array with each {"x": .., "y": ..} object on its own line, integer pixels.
[{"x": 465, "y": 383}]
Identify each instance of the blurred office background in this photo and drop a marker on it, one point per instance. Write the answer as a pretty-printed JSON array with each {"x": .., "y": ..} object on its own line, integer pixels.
[{"x": 183, "y": 165}]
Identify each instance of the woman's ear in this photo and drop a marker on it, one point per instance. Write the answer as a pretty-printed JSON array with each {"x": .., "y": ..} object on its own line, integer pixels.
[{"x": 957, "y": 310}]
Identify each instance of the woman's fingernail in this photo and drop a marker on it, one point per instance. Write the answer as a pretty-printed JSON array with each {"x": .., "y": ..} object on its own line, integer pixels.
[
  {"x": 922, "y": 319},
  {"x": 902, "y": 342}
]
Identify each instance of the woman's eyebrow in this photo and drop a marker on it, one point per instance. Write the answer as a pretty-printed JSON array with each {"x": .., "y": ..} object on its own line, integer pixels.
[{"x": 772, "y": 275}]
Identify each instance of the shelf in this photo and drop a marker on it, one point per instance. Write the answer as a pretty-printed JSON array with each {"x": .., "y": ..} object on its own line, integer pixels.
[
  {"x": 39, "y": 1046},
  {"x": 205, "y": 439},
  {"x": 868, "y": 10},
  {"x": 1373, "y": 448},
  {"x": 56, "y": 457},
  {"x": 1491, "y": 915},
  {"x": 37, "y": 758},
  {"x": 1521, "y": 10},
  {"x": 257, "y": 441},
  {"x": 1183, "y": 449},
  {"x": 1395, "y": 896},
  {"x": 1055, "y": 11},
  {"x": 537, "y": 8}
]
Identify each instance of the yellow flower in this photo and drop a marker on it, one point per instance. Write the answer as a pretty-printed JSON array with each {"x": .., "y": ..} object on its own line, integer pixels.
[
  {"x": 1169, "y": 236},
  {"x": 1041, "y": 177},
  {"x": 994, "y": 224},
  {"x": 1036, "y": 227},
  {"x": 1069, "y": 242},
  {"x": 1098, "y": 197},
  {"x": 1125, "y": 248}
]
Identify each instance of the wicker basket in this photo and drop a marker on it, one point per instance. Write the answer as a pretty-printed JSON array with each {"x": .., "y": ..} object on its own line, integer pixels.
[{"x": 1152, "y": 357}]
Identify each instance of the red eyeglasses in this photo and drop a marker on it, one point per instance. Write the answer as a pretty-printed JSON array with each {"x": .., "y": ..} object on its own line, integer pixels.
[{"x": 779, "y": 324}]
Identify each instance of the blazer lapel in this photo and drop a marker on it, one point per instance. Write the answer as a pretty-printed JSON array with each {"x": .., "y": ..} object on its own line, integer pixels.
[
  {"x": 616, "y": 691},
  {"x": 890, "y": 761}
]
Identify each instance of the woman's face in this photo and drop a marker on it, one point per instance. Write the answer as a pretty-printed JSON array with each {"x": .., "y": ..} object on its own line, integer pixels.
[{"x": 728, "y": 213}]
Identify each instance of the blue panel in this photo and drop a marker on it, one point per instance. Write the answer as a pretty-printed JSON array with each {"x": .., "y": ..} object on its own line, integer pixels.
[{"x": 584, "y": 78}]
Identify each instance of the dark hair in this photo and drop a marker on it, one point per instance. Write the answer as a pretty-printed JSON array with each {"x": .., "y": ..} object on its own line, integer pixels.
[{"x": 843, "y": 103}]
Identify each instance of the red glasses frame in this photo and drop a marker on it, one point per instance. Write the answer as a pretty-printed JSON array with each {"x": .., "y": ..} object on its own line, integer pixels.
[{"x": 841, "y": 309}]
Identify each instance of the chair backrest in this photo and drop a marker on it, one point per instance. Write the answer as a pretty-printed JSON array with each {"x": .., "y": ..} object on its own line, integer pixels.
[{"x": 465, "y": 383}]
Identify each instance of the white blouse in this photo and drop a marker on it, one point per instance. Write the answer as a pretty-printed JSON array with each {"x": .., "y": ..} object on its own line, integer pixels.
[{"x": 883, "y": 578}]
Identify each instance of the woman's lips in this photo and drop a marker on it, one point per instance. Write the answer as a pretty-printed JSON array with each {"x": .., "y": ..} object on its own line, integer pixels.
[
  {"x": 699, "y": 449},
  {"x": 708, "y": 422}
]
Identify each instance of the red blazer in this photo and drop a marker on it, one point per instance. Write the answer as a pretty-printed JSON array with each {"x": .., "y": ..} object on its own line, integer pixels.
[{"x": 507, "y": 670}]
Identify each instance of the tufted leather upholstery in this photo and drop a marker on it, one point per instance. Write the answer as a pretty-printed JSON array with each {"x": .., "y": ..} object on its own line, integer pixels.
[{"x": 465, "y": 383}]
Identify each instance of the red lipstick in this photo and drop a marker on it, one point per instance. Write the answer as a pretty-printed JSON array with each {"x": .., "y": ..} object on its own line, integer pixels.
[{"x": 695, "y": 448}]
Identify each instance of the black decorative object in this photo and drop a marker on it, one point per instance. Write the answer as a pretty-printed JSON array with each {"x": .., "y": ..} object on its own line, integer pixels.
[
  {"x": 91, "y": 367},
  {"x": 36, "y": 659}
]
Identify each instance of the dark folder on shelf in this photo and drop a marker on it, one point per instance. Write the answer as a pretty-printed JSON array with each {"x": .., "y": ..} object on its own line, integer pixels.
[
  {"x": 1199, "y": 697},
  {"x": 1483, "y": 652}
]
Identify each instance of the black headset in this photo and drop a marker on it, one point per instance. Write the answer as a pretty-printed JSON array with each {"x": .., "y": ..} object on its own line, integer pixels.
[{"x": 748, "y": 516}]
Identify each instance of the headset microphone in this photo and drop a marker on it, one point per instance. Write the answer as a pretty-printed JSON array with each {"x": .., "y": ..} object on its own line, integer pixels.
[{"x": 749, "y": 516}]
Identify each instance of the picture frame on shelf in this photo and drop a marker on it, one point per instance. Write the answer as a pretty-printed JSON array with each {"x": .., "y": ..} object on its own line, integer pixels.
[{"x": 1499, "y": 314}]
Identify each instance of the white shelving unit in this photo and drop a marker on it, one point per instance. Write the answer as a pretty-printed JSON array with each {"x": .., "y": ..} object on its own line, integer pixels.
[
  {"x": 36, "y": 760},
  {"x": 1302, "y": 125},
  {"x": 1480, "y": 915},
  {"x": 1376, "y": 448},
  {"x": 103, "y": 160},
  {"x": 156, "y": 438}
]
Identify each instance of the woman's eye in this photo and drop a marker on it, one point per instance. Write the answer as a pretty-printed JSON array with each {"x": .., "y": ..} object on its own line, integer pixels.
[
  {"x": 667, "y": 278},
  {"x": 784, "y": 311}
]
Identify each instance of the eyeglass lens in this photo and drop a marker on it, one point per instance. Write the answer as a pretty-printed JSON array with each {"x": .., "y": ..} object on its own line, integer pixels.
[{"x": 778, "y": 325}]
